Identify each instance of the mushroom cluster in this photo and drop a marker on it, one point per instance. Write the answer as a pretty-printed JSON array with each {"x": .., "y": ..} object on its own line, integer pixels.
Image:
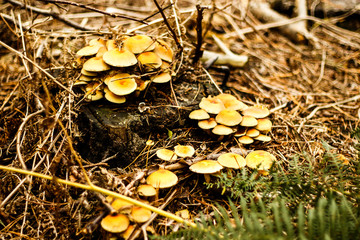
[
  {"x": 182, "y": 151},
  {"x": 116, "y": 69},
  {"x": 224, "y": 114},
  {"x": 119, "y": 222},
  {"x": 258, "y": 159}
]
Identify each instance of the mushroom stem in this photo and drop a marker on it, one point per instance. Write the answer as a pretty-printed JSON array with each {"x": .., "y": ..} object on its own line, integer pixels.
[
  {"x": 207, "y": 178},
  {"x": 229, "y": 58}
]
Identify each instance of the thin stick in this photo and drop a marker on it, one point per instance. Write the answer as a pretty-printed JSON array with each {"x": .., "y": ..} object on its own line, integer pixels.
[
  {"x": 179, "y": 46},
  {"x": 199, "y": 18},
  {"x": 114, "y": 15},
  {"x": 102, "y": 191},
  {"x": 24, "y": 47},
  {"x": 18, "y": 136}
]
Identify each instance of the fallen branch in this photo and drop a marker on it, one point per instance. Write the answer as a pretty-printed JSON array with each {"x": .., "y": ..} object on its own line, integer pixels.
[{"x": 102, "y": 191}]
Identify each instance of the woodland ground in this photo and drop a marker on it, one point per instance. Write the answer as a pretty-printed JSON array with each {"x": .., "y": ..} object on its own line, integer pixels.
[{"x": 312, "y": 87}]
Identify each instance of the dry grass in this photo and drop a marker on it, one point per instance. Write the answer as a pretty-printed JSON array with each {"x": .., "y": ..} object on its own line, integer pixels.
[{"x": 314, "y": 94}]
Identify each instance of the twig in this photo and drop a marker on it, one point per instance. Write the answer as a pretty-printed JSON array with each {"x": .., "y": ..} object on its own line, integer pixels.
[
  {"x": 102, "y": 191},
  {"x": 18, "y": 136},
  {"x": 24, "y": 47},
  {"x": 36, "y": 65},
  {"x": 114, "y": 15},
  {"x": 199, "y": 18},
  {"x": 212, "y": 80},
  {"x": 52, "y": 14},
  {"x": 176, "y": 39}
]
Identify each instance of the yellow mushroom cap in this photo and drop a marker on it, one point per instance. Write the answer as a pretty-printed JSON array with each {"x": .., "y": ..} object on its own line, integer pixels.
[
  {"x": 115, "y": 223},
  {"x": 206, "y": 167},
  {"x": 248, "y": 121},
  {"x": 211, "y": 105},
  {"x": 263, "y": 138},
  {"x": 80, "y": 82},
  {"x": 126, "y": 235},
  {"x": 119, "y": 204},
  {"x": 264, "y": 125},
  {"x": 228, "y": 117},
  {"x": 95, "y": 64},
  {"x": 166, "y": 154},
  {"x": 112, "y": 97},
  {"x": 139, "y": 43},
  {"x": 149, "y": 60},
  {"x": 85, "y": 78},
  {"x": 122, "y": 84},
  {"x": 87, "y": 73},
  {"x": 146, "y": 190},
  {"x": 162, "y": 77},
  {"x": 260, "y": 159},
  {"x": 252, "y": 132},
  {"x": 222, "y": 130},
  {"x": 162, "y": 178},
  {"x": 184, "y": 151},
  {"x": 199, "y": 114},
  {"x": 207, "y": 123},
  {"x": 139, "y": 214},
  {"x": 163, "y": 50},
  {"x": 231, "y": 160},
  {"x": 245, "y": 140},
  {"x": 230, "y": 102},
  {"x": 111, "y": 44},
  {"x": 89, "y": 50},
  {"x": 120, "y": 58},
  {"x": 257, "y": 111}
]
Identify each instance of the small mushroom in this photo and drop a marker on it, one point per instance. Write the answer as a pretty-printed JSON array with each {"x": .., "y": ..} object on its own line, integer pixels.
[
  {"x": 228, "y": 117},
  {"x": 211, "y": 105},
  {"x": 252, "y": 132},
  {"x": 149, "y": 60},
  {"x": 166, "y": 155},
  {"x": 245, "y": 140},
  {"x": 257, "y": 111},
  {"x": 206, "y": 167},
  {"x": 120, "y": 58},
  {"x": 95, "y": 64},
  {"x": 184, "y": 151},
  {"x": 163, "y": 50},
  {"x": 231, "y": 160},
  {"x": 139, "y": 214},
  {"x": 139, "y": 43},
  {"x": 248, "y": 121},
  {"x": 260, "y": 159},
  {"x": 112, "y": 97},
  {"x": 115, "y": 223},
  {"x": 222, "y": 130},
  {"x": 207, "y": 123},
  {"x": 264, "y": 125},
  {"x": 162, "y": 77},
  {"x": 146, "y": 190},
  {"x": 122, "y": 84},
  {"x": 199, "y": 114},
  {"x": 162, "y": 179}
]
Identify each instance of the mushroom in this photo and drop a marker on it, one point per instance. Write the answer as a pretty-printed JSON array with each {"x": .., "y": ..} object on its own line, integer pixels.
[
  {"x": 163, "y": 50},
  {"x": 257, "y": 111},
  {"x": 162, "y": 77},
  {"x": 184, "y": 151},
  {"x": 245, "y": 140},
  {"x": 231, "y": 160},
  {"x": 126, "y": 235},
  {"x": 252, "y": 132},
  {"x": 112, "y": 97},
  {"x": 211, "y": 105},
  {"x": 248, "y": 121},
  {"x": 115, "y": 223},
  {"x": 263, "y": 138},
  {"x": 230, "y": 102},
  {"x": 264, "y": 125},
  {"x": 121, "y": 84},
  {"x": 120, "y": 58},
  {"x": 140, "y": 214},
  {"x": 222, "y": 130},
  {"x": 207, "y": 123},
  {"x": 95, "y": 64},
  {"x": 199, "y": 114},
  {"x": 260, "y": 159},
  {"x": 139, "y": 43},
  {"x": 206, "y": 167},
  {"x": 162, "y": 178},
  {"x": 149, "y": 60},
  {"x": 91, "y": 49},
  {"x": 166, "y": 155},
  {"x": 146, "y": 190},
  {"x": 119, "y": 205},
  {"x": 228, "y": 117}
]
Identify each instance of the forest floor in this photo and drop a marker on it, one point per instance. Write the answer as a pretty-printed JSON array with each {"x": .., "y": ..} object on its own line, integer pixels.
[{"x": 311, "y": 85}]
